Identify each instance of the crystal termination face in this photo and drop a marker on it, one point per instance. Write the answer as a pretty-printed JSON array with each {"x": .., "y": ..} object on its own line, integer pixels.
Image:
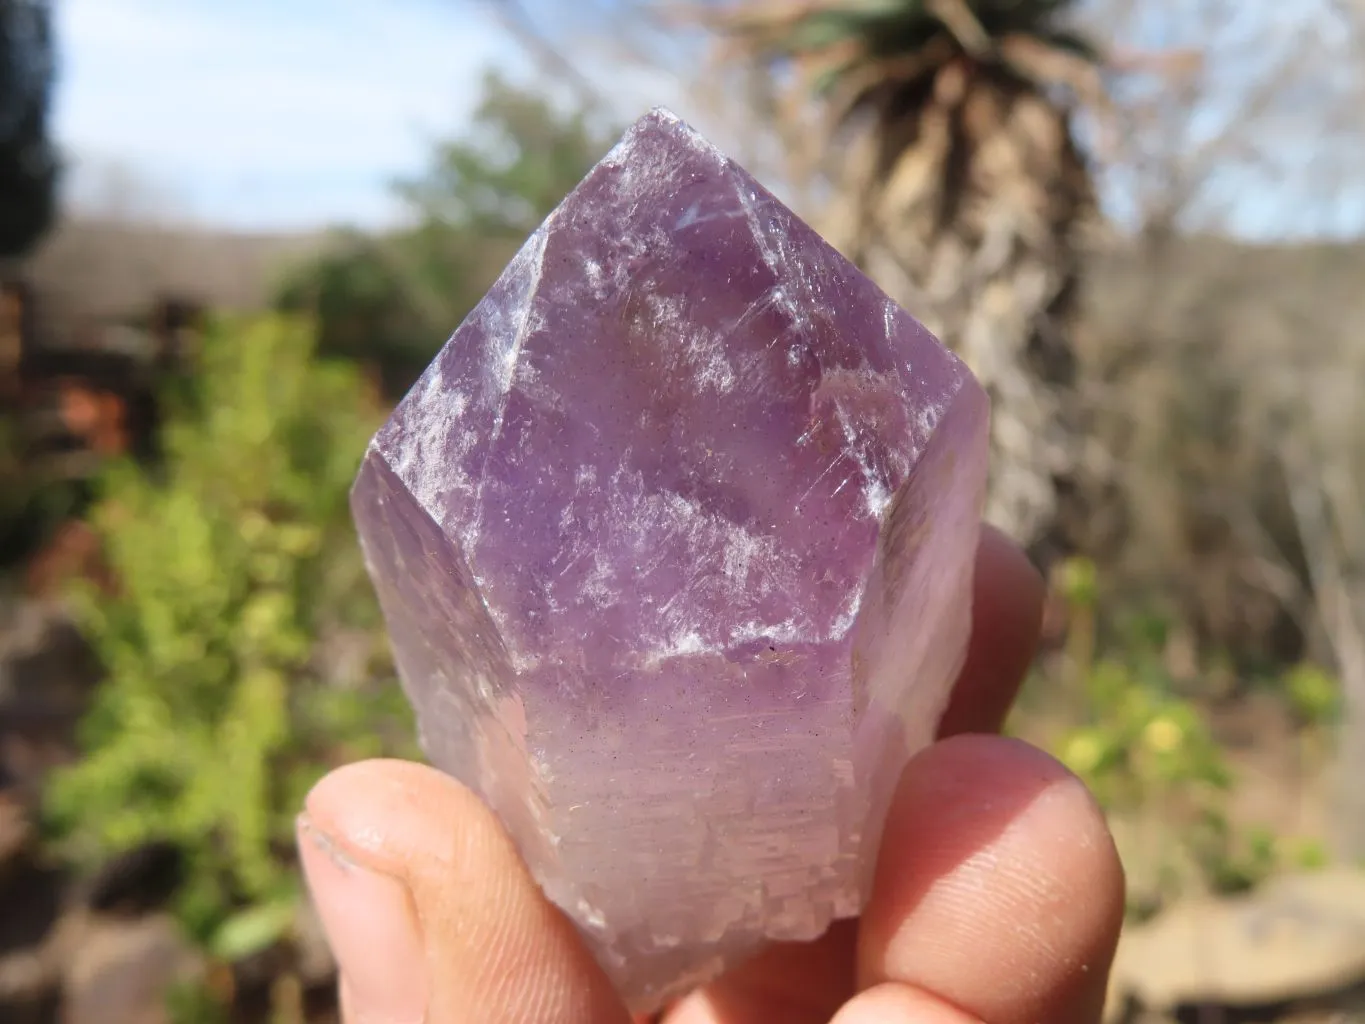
[{"x": 674, "y": 541}]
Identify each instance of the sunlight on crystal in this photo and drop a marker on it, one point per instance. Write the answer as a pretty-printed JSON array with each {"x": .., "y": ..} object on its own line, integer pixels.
[{"x": 674, "y": 540}]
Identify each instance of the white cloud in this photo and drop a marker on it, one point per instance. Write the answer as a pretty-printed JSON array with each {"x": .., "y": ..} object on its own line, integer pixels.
[{"x": 270, "y": 113}]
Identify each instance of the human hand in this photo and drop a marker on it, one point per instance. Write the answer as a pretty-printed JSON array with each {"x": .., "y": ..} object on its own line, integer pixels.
[{"x": 998, "y": 894}]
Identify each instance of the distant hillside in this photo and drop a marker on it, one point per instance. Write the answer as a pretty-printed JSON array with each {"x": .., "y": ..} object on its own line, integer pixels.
[
  {"x": 1249, "y": 296},
  {"x": 100, "y": 268}
]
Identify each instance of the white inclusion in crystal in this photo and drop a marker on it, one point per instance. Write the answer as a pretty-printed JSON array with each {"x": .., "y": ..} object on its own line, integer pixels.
[
  {"x": 619, "y": 157},
  {"x": 889, "y": 319},
  {"x": 529, "y": 265},
  {"x": 929, "y": 417},
  {"x": 598, "y": 588},
  {"x": 788, "y": 632},
  {"x": 485, "y": 687},
  {"x": 679, "y": 647},
  {"x": 823, "y": 473},
  {"x": 431, "y": 462},
  {"x": 876, "y": 495},
  {"x": 589, "y": 915},
  {"x": 596, "y": 279},
  {"x": 742, "y": 550},
  {"x": 717, "y": 373},
  {"x": 525, "y": 272},
  {"x": 692, "y": 215},
  {"x": 773, "y": 257},
  {"x": 848, "y": 615}
]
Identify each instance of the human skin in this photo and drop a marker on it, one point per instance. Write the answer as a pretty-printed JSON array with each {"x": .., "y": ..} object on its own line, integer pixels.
[{"x": 998, "y": 894}]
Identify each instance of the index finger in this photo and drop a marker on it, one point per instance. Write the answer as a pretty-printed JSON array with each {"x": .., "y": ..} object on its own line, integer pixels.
[{"x": 1007, "y": 614}]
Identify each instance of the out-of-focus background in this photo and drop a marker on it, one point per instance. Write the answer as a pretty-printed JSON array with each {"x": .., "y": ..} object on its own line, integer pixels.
[{"x": 233, "y": 233}]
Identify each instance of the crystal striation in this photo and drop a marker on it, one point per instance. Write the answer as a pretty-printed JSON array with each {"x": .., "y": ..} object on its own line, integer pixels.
[{"x": 674, "y": 541}]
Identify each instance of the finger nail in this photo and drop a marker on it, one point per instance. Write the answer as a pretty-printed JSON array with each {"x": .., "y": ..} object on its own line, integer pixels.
[{"x": 372, "y": 929}]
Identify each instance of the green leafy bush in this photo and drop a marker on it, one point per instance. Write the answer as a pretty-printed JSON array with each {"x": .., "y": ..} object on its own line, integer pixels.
[
  {"x": 1313, "y": 693},
  {"x": 243, "y": 646},
  {"x": 1144, "y": 746}
]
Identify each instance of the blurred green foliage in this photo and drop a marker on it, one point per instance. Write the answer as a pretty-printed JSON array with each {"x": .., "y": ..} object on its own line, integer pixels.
[
  {"x": 1313, "y": 694},
  {"x": 239, "y": 589},
  {"x": 390, "y": 301},
  {"x": 1144, "y": 746}
]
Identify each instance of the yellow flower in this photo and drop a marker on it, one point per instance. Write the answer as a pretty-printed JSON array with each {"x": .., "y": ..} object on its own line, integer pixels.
[
  {"x": 1082, "y": 752},
  {"x": 1162, "y": 735}
]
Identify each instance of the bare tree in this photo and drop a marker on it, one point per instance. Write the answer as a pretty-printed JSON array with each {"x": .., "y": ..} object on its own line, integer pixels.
[
  {"x": 1263, "y": 126},
  {"x": 1263, "y": 135}
]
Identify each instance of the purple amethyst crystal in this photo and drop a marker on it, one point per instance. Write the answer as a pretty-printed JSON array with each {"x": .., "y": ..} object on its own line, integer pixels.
[{"x": 674, "y": 541}]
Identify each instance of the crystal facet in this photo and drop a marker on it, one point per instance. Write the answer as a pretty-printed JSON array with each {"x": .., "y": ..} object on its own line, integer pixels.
[{"x": 674, "y": 540}]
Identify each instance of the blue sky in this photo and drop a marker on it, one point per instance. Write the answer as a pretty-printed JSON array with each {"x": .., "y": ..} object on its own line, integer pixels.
[
  {"x": 288, "y": 114},
  {"x": 267, "y": 113}
]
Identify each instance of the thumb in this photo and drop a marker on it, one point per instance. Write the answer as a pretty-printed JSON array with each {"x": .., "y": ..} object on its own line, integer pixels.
[{"x": 430, "y": 912}]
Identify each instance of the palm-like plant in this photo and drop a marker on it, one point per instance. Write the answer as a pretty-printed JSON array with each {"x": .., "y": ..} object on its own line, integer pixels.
[{"x": 960, "y": 185}]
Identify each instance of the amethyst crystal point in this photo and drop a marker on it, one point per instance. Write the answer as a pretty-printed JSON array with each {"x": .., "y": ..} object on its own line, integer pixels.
[{"x": 674, "y": 541}]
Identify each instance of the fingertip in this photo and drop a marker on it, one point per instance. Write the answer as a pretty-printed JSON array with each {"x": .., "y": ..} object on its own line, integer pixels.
[
  {"x": 495, "y": 948},
  {"x": 371, "y": 927},
  {"x": 386, "y": 812},
  {"x": 998, "y": 887}
]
